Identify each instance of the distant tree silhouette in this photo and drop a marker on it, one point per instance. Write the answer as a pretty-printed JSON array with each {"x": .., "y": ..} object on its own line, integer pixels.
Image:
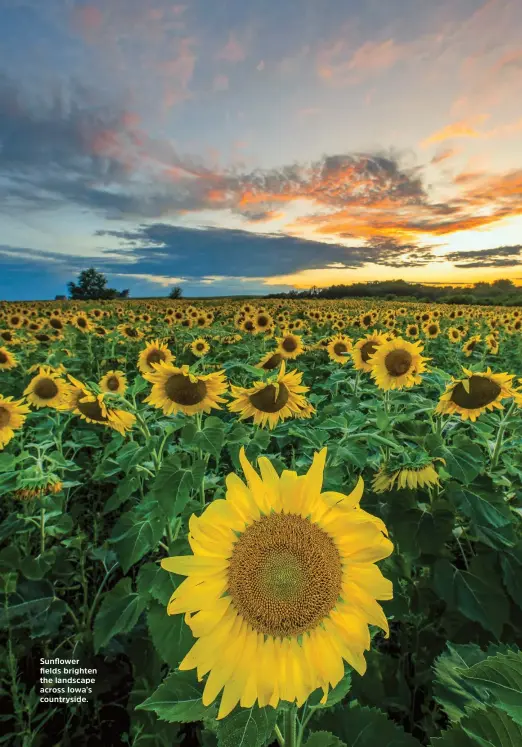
[
  {"x": 176, "y": 292},
  {"x": 92, "y": 286}
]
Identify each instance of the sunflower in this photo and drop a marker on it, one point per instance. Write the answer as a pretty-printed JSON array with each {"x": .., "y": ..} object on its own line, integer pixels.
[
  {"x": 7, "y": 336},
  {"x": 178, "y": 390},
  {"x": 491, "y": 342},
  {"x": 155, "y": 352},
  {"x": 270, "y": 401},
  {"x": 7, "y": 360},
  {"x": 130, "y": 332},
  {"x": 12, "y": 417},
  {"x": 412, "y": 330},
  {"x": 363, "y": 349},
  {"x": 114, "y": 382},
  {"x": 454, "y": 335},
  {"x": 476, "y": 393},
  {"x": 82, "y": 322},
  {"x": 469, "y": 345},
  {"x": 290, "y": 346},
  {"x": 337, "y": 346},
  {"x": 247, "y": 325},
  {"x": 15, "y": 321},
  {"x": 431, "y": 330},
  {"x": 281, "y": 587},
  {"x": 199, "y": 347},
  {"x": 46, "y": 389},
  {"x": 397, "y": 364},
  {"x": 270, "y": 361},
  {"x": 92, "y": 408},
  {"x": 262, "y": 321},
  {"x": 414, "y": 476}
]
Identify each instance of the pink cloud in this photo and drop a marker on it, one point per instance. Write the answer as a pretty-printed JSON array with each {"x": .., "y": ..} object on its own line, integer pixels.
[
  {"x": 89, "y": 17},
  {"x": 233, "y": 51},
  {"x": 220, "y": 83}
]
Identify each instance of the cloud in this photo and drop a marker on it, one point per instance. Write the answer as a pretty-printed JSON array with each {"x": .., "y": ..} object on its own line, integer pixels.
[
  {"x": 503, "y": 256},
  {"x": 233, "y": 51},
  {"x": 455, "y": 130},
  {"x": 220, "y": 83},
  {"x": 444, "y": 154}
]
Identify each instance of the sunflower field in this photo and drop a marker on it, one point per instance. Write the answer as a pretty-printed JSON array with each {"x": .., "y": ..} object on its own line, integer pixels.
[{"x": 273, "y": 523}]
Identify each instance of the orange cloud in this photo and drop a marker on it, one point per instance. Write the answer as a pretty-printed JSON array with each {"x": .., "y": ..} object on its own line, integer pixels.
[
  {"x": 335, "y": 66},
  {"x": 443, "y": 155},
  {"x": 456, "y": 129}
]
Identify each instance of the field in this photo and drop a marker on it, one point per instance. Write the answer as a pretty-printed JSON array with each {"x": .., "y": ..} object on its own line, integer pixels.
[{"x": 374, "y": 600}]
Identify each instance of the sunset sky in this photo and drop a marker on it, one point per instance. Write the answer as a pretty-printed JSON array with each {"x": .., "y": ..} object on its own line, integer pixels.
[{"x": 237, "y": 147}]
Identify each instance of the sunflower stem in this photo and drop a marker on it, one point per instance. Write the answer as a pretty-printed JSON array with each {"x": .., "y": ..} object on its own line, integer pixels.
[
  {"x": 42, "y": 531},
  {"x": 279, "y": 736},
  {"x": 500, "y": 434},
  {"x": 291, "y": 727}
]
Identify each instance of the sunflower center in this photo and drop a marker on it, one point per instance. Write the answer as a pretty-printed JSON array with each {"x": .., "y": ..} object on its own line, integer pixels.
[
  {"x": 56, "y": 324},
  {"x": 113, "y": 383},
  {"x": 156, "y": 356},
  {"x": 285, "y": 575},
  {"x": 82, "y": 322},
  {"x": 340, "y": 347},
  {"x": 249, "y": 325},
  {"x": 130, "y": 332},
  {"x": 368, "y": 349},
  {"x": 46, "y": 389},
  {"x": 181, "y": 390},
  {"x": 273, "y": 362},
  {"x": 482, "y": 391},
  {"x": 5, "y": 417},
  {"x": 3, "y": 357},
  {"x": 432, "y": 329},
  {"x": 289, "y": 344},
  {"x": 398, "y": 362},
  {"x": 262, "y": 321},
  {"x": 270, "y": 399},
  {"x": 93, "y": 411}
]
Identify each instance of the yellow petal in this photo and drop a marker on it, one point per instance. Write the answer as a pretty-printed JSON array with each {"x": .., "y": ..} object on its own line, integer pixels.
[{"x": 187, "y": 565}]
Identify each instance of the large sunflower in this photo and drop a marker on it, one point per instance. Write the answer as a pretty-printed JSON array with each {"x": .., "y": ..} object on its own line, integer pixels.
[
  {"x": 281, "y": 587},
  {"x": 290, "y": 346},
  {"x": 7, "y": 360},
  {"x": 270, "y": 361},
  {"x": 365, "y": 348},
  {"x": 154, "y": 352},
  {"x": 178, "y": 390},
  {"x": 338, "y": 347},
  {"x": 12, "y": 417},
  {"x": 476, "y": 393},
  {"x": 397, "y": 364},
  {"x": 270, "y": 401},
  {"x": 47, "y": 389},
  {"x": 114, "y": 382}
]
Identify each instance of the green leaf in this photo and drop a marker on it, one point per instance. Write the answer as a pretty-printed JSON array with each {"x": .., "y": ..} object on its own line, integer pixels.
[
  {"x": 211, "y": 438},
  {"x": 485, "y": 727},
  {"x": 171, "y": 636},
  {"x": 136, "y": 532},
  {"x": 174, "y": 497},
  {"x": 178, "y": 699},
  {"x": 335, "y": 695},
  {"x": 511, "y": 562},
  {"x": 501, "y": 675},
  {"x": 464, "y": 460},
  {"x": 455, "y": 694},
  {"x": 7, "y": 462},
  {"x": 487, "y": 509},
  {"x": 365, "y": 727},
  {"x": 476, "y": 597},
  {"x": 247, "y": 727},
  {"x": 127, "y": 487},
  {"x": 118, "y": 613},
  {"x": 324, "y": 739},
  {"x": 155, "y": 583}
]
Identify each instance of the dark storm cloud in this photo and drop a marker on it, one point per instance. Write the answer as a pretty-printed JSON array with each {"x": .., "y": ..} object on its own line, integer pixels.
[{"x": 503, "y": 256}]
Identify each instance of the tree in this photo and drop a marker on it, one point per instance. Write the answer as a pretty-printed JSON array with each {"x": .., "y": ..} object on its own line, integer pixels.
[
  {"x": 92, "y": 286},
  {"x": 176, "y": 292}
]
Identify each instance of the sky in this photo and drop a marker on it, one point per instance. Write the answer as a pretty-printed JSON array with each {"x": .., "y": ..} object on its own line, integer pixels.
[{"x": 252, "y": 147}]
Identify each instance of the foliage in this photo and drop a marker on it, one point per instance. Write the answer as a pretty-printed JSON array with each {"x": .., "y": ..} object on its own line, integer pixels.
[{"x": 92, "y": 286}]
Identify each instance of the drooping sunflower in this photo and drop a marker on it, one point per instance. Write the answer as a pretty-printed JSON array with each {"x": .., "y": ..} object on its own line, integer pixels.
[
  {"x": 7, "y": 336},
  {"x": 178, "y": 390},
  {"x": 12, "y": 417},
  {"x": 337, "y": 346},
  {"x": 92, "y": 408},
  {"x": 7, "y": 360},
  {"x": 154, "y": 352},
  {"x": 270, "y": 401},
  {"x": 281, "y": 587},
  {"x": 474, "y": 394},
  {"x": 365, "y": 348},
  {"x": 397, "y": 364},
  {"x": 492, "y": 344},
  {"x": 199, "y": 347},
  {"x": 290, "y": 346},
  {"x": 470, "y": 345},
  {"x": 413, "y": 476},
  {"x": 113, "y": 382},
  {"x": 46, "y": 389},
  {"x": 270, "y": 361}
]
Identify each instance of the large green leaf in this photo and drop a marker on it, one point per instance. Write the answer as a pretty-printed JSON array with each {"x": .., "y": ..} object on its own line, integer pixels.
[
  {"x": 487, "y": 509},
  {"x": 137, "y": 532},
  {"x": 118, "y": 613},
  {"x": 247, "y": 727},
  {"x": 178, "y": 699},
  {"x": 211, "y": 438},
  {"x": 451, "y": 690},
  {"x": 170, "y": 634},
  {"x": 364, "y": 727},
  {"x": 501, "y": 676},
  {"x": 477, "y": 597},
  {"x": 485, "y": 727},
  {"x": 324, "y": 739},
  {"x": 511, "y": 562},
  {"x": 464, "y": 460}
]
